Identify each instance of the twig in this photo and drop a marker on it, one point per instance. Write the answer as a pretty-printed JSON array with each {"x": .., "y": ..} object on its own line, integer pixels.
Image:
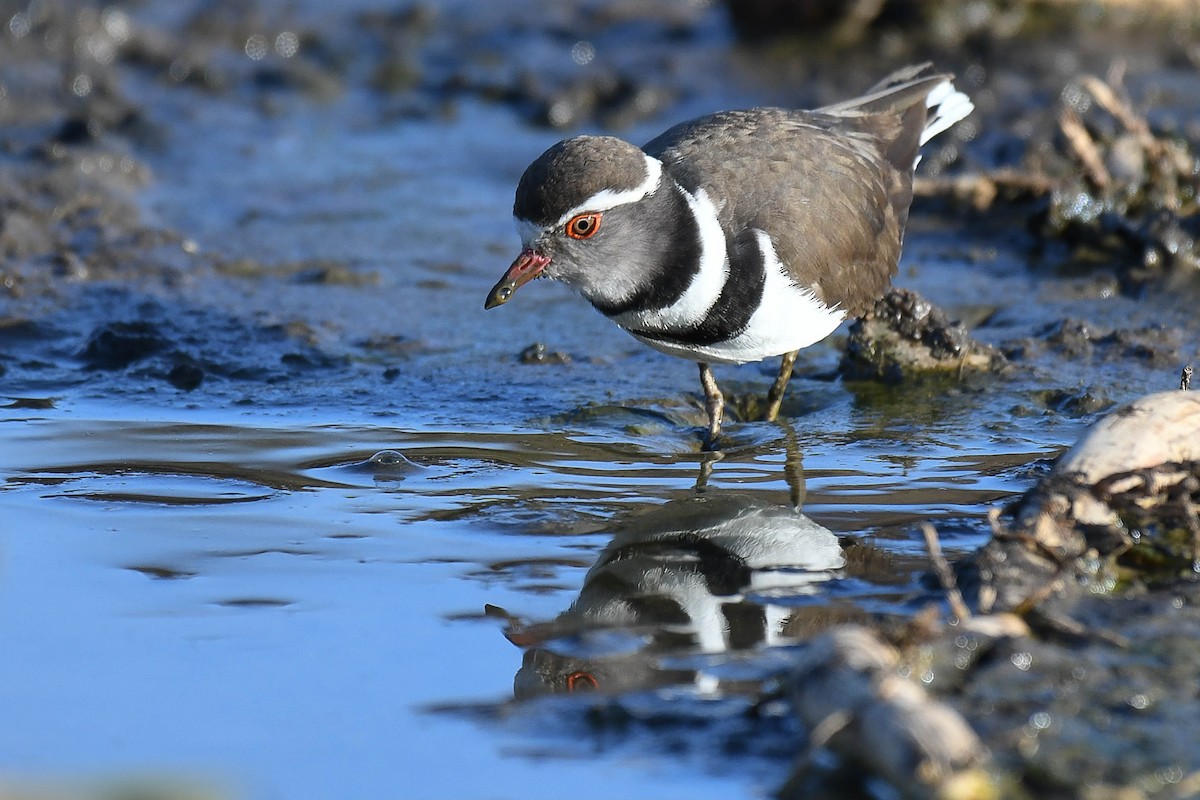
[
  {"x": 945, "y": 573},
  {"x": 1107, "y": 97},
  {"x": 1084, "y": 148},
  {"x": 820, "y": 735},
  {"x": 981, "y": 189}
]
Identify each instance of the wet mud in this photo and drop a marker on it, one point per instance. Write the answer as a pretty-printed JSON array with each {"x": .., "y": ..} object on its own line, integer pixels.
[{"x": 243, "y": 251}]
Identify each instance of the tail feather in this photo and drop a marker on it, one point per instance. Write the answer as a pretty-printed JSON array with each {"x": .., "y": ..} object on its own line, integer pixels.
[
  {"x": 899, "y": 90},
  {"x": 909, "y": 74},
  {"x": 947, "y": 105}
]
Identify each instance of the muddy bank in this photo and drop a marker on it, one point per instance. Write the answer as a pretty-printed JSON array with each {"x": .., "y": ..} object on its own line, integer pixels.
[
  {"x": 1100, "y": 559},
  {"x": 93, "y": 99}
]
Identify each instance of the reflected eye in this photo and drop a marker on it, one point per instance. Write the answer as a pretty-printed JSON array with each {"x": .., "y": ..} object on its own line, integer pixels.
[
  {"x": 583, "y": 226},
  {"x": 582, "y": 682}
]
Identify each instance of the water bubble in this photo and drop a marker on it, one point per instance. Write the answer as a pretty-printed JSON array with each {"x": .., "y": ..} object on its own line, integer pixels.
[
  {"x": 82, "y": 85},
  {"x": 20, "y": 25},
  {"x": 646, "y": 100},
  {"x": 967, "y": 130},
  {"x": 116, "y": 24},
  {"x": 583, "y": 52},
  {"x": 101, "y": 48},
  {"x": 287, "y": 44},
  {"x": 560, "y": 113},
  {"x": 1073, "y": 96},
  {"x": 1041, "y": 720},
  {"x": 256, "y": 47},
  {"x": 1170, "y": 775},
  {"x": 389, "y": 458},
  {"x": 1139, "y": 701},
  {"x": 1022, "y": 661},
  {"x": 1067, "y": 62},
  {"x": 54, "y": 40}
]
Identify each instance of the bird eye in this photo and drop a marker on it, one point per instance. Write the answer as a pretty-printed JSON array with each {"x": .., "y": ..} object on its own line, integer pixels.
[
  {"x": 583, "y": 226},
  {"x": 582, "y": 682}
]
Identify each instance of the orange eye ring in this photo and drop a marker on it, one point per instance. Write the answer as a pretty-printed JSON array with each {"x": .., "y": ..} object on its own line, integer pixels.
[
  {"x": 584, "y": 226},
  {"x": 582, "y": 682}
]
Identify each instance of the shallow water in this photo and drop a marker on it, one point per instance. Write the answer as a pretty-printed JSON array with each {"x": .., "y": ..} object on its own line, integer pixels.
[
  {"x": 250, "y": 597},
  {"x": 297, "y": 579}
]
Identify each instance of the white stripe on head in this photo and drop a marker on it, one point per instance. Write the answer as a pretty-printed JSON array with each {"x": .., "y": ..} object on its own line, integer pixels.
[
  {"x": 606, "y": 199},
  {"x": 702, "y": 293},
  {"x": 603, "y": 200}
]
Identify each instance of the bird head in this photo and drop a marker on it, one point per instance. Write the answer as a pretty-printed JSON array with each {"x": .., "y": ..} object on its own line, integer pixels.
[{"x": 581, "y": 211}]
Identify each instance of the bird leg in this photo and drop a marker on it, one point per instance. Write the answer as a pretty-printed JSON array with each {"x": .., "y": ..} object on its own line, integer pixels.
[
  {"x": 775, "y": 396},
  {"x": 714, "y": 404},
  {"x": 707, "y": 462},
  {"x": 793, "y": 466}
]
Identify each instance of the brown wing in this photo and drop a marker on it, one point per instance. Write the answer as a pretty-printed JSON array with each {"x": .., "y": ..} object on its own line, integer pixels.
[{"x": 831, "y": 187}]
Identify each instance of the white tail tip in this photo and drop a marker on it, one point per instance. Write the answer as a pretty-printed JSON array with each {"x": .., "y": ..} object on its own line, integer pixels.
[{"x": 948, "y": 105}]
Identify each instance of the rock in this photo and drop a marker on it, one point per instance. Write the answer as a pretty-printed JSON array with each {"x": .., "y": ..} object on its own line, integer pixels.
[
  {"x": 1119, "y": 506},
  {"x": 1080, "y": 402},
  {"x": 186, "y": 375},
  {"x": 119, "y": 344},
  {"x": 537, "y": 353},
  {"x": 848, "y": 689},
  {"x": 1072, "y": 337},
  {"x": 1149, "y": 433},
  {"x": 905, "y": 336}
]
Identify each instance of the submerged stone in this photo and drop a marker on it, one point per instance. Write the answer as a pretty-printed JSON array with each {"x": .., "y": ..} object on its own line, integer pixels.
[
  {"x": 186, "y": 375},
  {"x": 538, "y": 353}
]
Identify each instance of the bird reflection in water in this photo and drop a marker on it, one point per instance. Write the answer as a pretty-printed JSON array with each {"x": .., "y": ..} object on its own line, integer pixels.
[{"x": 690, "y": 577}]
